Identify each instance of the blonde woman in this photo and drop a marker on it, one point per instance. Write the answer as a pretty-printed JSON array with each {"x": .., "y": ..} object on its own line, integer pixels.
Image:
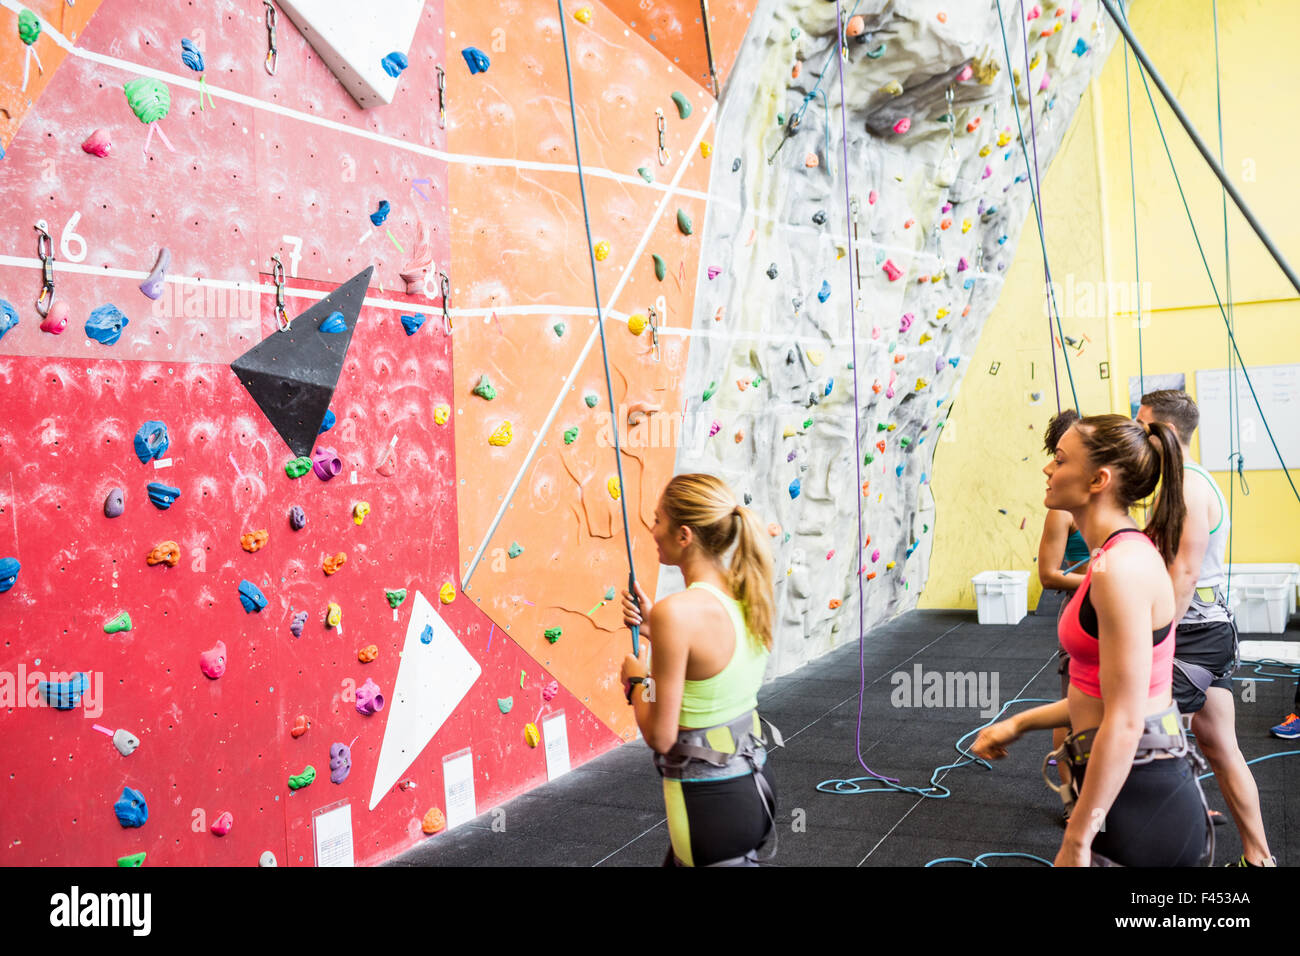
[{"x": 697, "y": 707}]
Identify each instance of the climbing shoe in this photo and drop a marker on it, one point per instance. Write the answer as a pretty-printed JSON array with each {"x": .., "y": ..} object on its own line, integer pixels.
[
  {"x": 1241, "y": 861},
  {"x": 1289, "y": 729}
]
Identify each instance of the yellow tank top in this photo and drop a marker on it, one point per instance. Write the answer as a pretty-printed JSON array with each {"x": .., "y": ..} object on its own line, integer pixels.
[{"x": 733, "y": 690}]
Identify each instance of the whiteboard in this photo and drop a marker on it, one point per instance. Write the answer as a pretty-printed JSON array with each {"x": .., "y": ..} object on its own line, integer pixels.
[{"x": 1278, "y": 390}]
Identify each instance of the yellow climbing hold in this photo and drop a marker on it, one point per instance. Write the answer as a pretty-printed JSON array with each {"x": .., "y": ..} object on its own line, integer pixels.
[
  {"x": 582, "y": 14},
  {"x": 615, "y": 490},
  {"x": 891, "y": 427},
  {"x": 1038, "y": 58},
  {"x": 441, "y": 413},
  {"x": 789, "y": 432},
  {"x": 447, "y": 593},
  {"x": 925, "y": 337},
  {"x": 986, "y": 73},
  {"x": 602, "y": 251},
  {"x": 815, "y": 356},
  {"x": 1004, "y": 137},
  {"x": 706, "y": 148},
  {"x": 333, "y": 615},
  {"x": 941, "y": 313},
  {"x": 985, "y": 149},
  {"x": 921, "y": 383},
  {"x": 359, "y": 511},
  {"x": 893, "y": 88},
  {"x": 965, "y": 226},
  {"x": 636, "y": 324},
  {"x": 501, "y": 437},
  {"x": 532, "y": 735},
  {"x": 889, "y": 566}
]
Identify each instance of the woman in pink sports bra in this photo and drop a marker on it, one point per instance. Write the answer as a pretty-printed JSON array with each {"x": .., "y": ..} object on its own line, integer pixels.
[{"x": 1138, "y": 803}]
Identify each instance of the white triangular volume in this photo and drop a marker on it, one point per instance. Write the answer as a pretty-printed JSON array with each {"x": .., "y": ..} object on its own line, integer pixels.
[
  {"x": 432, "y": 680},
  {"x": 353, "y": 39}
]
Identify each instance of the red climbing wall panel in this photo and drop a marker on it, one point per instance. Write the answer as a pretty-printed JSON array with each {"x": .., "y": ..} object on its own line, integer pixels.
[
  {"x": 676, "y": 29},
  {"x": 286, "y": 165}
]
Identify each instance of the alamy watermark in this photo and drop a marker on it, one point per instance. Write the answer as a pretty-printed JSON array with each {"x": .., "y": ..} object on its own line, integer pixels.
[
  {"x": 1097, "y": 300},
  {"x": 921, "y": 688},
  {"x": 76, "y": 690}
]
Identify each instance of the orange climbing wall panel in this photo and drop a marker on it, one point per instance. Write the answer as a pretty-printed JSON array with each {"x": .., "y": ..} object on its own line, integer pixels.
[
  {"x": 675, "y": 28},
  {"x": 522, "y": 267},
  {"x": 280, "y": 165}
]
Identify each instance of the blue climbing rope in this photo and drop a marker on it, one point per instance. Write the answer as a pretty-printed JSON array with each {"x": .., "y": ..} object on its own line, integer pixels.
[
  {"x": 1031, "y": 173},
  {"x": 600, "y": 324},
  {"x": 1132, "y": 195},
  {"x": 1210, "y": 276}
]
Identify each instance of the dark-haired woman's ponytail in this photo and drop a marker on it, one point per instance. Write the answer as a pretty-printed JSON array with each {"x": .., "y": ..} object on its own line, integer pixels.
[{"x": 1166, "y": 526}]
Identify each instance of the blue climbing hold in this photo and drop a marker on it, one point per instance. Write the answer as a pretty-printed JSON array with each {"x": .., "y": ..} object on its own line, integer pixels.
[
  {"x": 899, "y": 471},
  {"x": 251, "y": 596},
  {"x": 64, "y": 695},
  {"x": 379, "y": 215},
  {"x": 825, "y": 292},
  {"x": 394, "y": 63},
  {"x": 191, "y": 55},
  {"x": 412, "y": 323},
  {"x": 328, "y": 423},
  {"x": 954, "y": 361},
  {"x": 923, "y": 478},
  {"x": 830, "y": 383},
  {"x": 162, "y": 496},
  {"x": 151, "y": 441},
  {"x": 794, "y": 488},
  {"x": 106, "y": 324},
  {"x": 131, "y": 809},
  {"x": 1080, "y": 48},
  {"x": 9, "y": 568},
  {"x": 334, "y": 323},
  {"x": 968, "y": 284},
  {"x": 426, "y": 636},
  {"x": 8, "y": 314},
  {"x": 475, "y": 59}
]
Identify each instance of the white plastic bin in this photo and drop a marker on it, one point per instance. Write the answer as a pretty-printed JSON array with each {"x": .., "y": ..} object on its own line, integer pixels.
[
  {"x": 1261, "y": 602},
  {"x": 1001, "y": 597},
  {"x": 1242, "y": 574}
]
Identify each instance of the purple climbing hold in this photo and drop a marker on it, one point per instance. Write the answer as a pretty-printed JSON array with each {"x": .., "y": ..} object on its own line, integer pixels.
[
  {"x": 115, "y": 503},
  {"x": 152, "y": 286},
  {"x": 340, "y": 762},
  {"x": 326, "y": 463},
  {"x": 298, "y": 623},
  {"x": 297, "y": 518},
  {"x": 369, "y": 699}
]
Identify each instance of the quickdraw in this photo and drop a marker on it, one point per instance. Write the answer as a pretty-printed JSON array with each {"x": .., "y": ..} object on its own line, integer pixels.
[
  {"x": 281, "y": 313},
  {"x": 45, "y": 249},
  {"x": 663, "y": 126},
  {"x": 272, "y": 55}
]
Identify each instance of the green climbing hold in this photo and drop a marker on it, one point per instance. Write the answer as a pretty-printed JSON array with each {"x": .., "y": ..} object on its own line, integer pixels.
[
  {"x": 807, "y": 423},
  {"x": 878, "y": 52},
  {"x": 794, "y": 33},
  {"x": 683, "y": 105},
  {"x": 944, "y": 118},
  {"x": 505, "y": 704},
  {"x": 609, "y": 595},
  {"x": 120, "y": 623},
  {"x": 868, "y": 459},
  {"x": 148, "y": 98},
  {"x": 646, "y": 174},
  {"x": 29, "y": 28},
  {"x": 559, "y": 330},
  {"x": 904, "y": 442},
  {"x": 591, "y": 399},
  {"x": 484, "y": 388},
  {"x": 780, "y": 119},
  {"x": 881, "y": 426},
  {"x": 133, "y": 859},
  {"x": 515, "y": 550},
  {"x": 552, "y": 634},
  {"x": 684, "y": 223},
  {"x": 708, "y": 392},
  {"x": 661, "y": 267},
  {"x": 298, "y": 467},
  {"x": 850, "y": 366},
  {"x": 755, "y": 382},
  {"x": 300, "y": 780},
  {"x": 395, "y": 598},
  {"x": 571, "y": 435},
  {"x": 925, "y": 528}
]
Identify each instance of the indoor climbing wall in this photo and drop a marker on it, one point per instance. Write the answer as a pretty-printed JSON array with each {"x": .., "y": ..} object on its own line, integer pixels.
[
  {"x": 218, "y": 649},
  {"x": 938, "y": 191}
]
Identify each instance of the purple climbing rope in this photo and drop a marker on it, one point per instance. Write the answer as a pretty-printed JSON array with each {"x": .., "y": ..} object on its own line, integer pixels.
[{"x": 857, "y": 426}]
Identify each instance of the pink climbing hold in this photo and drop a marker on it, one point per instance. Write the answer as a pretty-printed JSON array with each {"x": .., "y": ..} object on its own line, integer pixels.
[
  {"x": 369, "y": 699},
  {"x": 875, "y": 331},
  {"x": 1074, "y": 10},
  {"x": 906, "y": 322},
  {"x": 57, "y": 319},
  {"x": 213, "y": 662},
  {"x": 965, "y": 73},
  {"x": 1034, "y": 13},
  {"x": 97, "y": 143},
  {"x": 1047, "y": 78},
  {"x": 889, "y": 393},
  {"x": 892, "y": 270},
  {"x": 713, "y": 272},
  {"x": 962, "y": 264},
  {"x": 988, "y": 171},
  {"x": 830, "y": 554},
  {"x": 222, "y": 824},
  {"x": 714, "y": 428},
  {"x": 872, "y": 197},
  {"x": 903, "y": 125},
  {"x": 875, "y": 556},
  {"x": 550, "y": 690}
]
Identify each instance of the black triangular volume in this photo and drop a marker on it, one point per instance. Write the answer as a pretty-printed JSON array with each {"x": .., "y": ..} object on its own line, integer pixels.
[{"x": 292, "y": 375}]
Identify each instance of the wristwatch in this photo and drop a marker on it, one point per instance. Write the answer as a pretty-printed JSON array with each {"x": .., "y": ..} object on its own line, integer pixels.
[{"x": 631, "y": 683}]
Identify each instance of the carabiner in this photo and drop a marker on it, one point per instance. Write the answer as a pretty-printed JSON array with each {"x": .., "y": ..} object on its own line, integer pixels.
[
  {"x": 45, "y": 249},
  {"x": 277, "y": 276},
  {"x": 654, "y": 329},
  {"x": 271, "y": 53},
  {"x": 664, "y": 155},
  {"x": 442, "y": 98},
  {"x": 446, "y": 302}
]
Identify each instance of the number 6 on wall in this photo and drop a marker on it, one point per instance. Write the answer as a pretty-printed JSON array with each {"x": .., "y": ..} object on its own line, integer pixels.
[{"x": 69, "y": 237}]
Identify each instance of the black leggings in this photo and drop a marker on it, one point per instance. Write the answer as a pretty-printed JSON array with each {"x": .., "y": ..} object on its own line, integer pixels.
[
  {"x": 711, "y": 821},
  {"x": 1157, "y": 819}
]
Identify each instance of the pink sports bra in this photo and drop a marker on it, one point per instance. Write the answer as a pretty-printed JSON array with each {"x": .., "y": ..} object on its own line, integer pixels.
[{"x": 1078, "y": 633}]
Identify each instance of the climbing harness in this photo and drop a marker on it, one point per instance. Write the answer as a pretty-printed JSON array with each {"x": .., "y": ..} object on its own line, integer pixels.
[
  {"x": 662, "y": 125},
  {"x": 271, "y": 53},
  {"x": 444, "y": 284},
  {"x": 442, "y": 98},
  {"x": 45, "y": 249},
  {"x": 277, "y": 276},
  {"x": 708, "y": 47},
  {"x": 600, "y": 318},
  {"x": 1162, "y": 733},
  {"x": 723, "y": 752}
]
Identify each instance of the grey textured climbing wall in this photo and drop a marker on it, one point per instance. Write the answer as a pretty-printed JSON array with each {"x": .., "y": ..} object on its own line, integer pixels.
[{"x": 940, "y": 196}]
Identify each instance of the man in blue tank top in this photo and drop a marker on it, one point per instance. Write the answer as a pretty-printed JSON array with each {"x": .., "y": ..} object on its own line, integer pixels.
[{"x": 1205, "y": 652}]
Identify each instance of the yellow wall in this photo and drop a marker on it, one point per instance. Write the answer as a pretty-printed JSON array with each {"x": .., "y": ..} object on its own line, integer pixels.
[{"x": 991, "y": 456}]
